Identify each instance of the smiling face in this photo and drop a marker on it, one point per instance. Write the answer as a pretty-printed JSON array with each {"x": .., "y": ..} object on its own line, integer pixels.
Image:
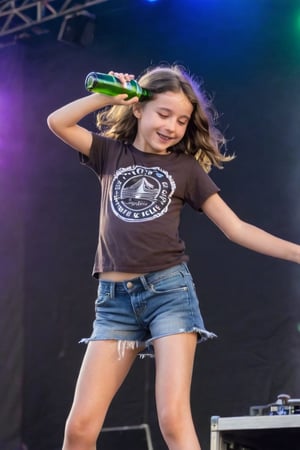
[{"x": 162, "y": 122}]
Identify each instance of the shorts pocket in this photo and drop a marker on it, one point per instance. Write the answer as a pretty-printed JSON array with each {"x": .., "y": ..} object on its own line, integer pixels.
[
  {"x": 102, "y": 299},
  {"x": 173, "y": 283}
]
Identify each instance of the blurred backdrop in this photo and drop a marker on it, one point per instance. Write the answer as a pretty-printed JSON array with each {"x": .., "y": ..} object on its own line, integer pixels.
[{"x": 247, "y": 53}]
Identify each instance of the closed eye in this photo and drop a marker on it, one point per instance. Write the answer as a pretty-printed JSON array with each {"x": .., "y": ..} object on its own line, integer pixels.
[{"x": 183, "y": 122}]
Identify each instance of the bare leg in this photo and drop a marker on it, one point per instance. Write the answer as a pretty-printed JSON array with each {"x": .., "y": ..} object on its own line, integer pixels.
[
  {"x": 174, "y": 366},
  {"x": 102, "y": 373}
]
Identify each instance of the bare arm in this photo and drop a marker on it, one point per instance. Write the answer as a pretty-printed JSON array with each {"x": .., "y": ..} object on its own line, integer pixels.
[
  {"x": 247, "y": 235},
  {"x": 64, "y": 121}
]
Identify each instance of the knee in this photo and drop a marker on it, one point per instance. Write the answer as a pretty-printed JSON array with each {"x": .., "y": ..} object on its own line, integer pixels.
[
  {"x": 177, "y": 427},
  {"x": 79, "y": 430},
  {"x": 171, "y": 421}
]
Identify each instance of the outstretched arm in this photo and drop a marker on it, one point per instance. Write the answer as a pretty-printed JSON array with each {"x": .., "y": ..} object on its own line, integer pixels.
[{"x": 248, "y": 235}]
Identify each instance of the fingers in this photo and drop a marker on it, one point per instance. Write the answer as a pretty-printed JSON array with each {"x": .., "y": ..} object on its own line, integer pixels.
[
  {"x": 122, "y": 99},
  {"x": 123, "y": 77}
]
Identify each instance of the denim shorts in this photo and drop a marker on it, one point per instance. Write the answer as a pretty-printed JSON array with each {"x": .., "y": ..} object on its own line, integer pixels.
[{"x": 135, "y": 312}]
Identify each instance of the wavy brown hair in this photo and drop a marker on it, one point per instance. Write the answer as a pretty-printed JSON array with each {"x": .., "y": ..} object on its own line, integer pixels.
[{"x": 202, "y": 139}]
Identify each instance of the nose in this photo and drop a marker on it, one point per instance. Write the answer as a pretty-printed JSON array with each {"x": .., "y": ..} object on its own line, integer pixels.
[{"x": 171, "y": 124}]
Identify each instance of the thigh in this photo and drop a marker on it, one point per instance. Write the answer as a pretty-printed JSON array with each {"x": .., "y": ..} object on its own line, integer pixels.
[
  {"x": 101, "y": 374},
  {"x": 174, "y": 368}
]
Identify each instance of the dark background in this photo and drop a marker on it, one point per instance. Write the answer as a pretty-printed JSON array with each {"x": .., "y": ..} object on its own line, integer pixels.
[{"x": 248, "y": 55}]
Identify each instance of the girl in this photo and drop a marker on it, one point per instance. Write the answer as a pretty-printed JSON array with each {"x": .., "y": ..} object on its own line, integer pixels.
[{"x": 151, "y": 157}]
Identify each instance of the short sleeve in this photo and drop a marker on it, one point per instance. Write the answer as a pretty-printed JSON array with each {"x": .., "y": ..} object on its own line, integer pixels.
[
  {"x": 199, "y": 186},
  {"x": 95, "y": 160}
]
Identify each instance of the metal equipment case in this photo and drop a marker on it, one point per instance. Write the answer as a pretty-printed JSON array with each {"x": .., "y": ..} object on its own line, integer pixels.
[{"x": 255, "y": 433}]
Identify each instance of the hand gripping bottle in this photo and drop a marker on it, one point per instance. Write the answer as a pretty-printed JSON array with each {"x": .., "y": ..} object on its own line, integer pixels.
[{"x": 103, "y": 83}]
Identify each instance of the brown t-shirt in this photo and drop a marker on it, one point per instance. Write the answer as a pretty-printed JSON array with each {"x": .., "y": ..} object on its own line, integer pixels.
[{"x": 142, "y": 195}]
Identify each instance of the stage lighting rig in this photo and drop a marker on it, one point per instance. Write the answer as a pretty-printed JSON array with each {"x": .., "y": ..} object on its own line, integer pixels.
[{"x": 16, "y": 16}]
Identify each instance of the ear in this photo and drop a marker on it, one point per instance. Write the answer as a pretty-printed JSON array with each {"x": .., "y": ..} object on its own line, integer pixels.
[{"x": 137, "y": 110}]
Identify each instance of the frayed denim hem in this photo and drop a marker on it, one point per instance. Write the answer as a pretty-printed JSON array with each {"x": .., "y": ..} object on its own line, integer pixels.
[
  {"x": 123, "y": 345},
  {"x": 147, "y": 346}
]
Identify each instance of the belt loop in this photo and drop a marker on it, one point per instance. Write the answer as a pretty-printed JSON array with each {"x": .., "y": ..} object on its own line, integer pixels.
[
  {"x": 144, "y": 282},
  {"x": 186, "y": 269},
  {"x": 112, "y": 289}
]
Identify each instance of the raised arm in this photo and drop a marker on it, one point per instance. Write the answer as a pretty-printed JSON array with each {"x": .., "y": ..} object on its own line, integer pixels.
[
  {"x": 248, "y": 235},
  {"x": 64, "y": 121}
]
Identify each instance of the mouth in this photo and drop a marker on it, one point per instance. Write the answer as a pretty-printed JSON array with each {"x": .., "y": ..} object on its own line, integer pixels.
[{"x": 164, "y": 137}]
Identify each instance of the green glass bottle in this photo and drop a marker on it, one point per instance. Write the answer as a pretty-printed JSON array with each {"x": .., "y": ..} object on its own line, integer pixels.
[{"x": 103, "y": 83}]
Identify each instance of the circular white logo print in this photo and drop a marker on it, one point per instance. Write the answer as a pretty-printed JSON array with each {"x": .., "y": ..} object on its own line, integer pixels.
[{"x": 141, "y": 193}]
